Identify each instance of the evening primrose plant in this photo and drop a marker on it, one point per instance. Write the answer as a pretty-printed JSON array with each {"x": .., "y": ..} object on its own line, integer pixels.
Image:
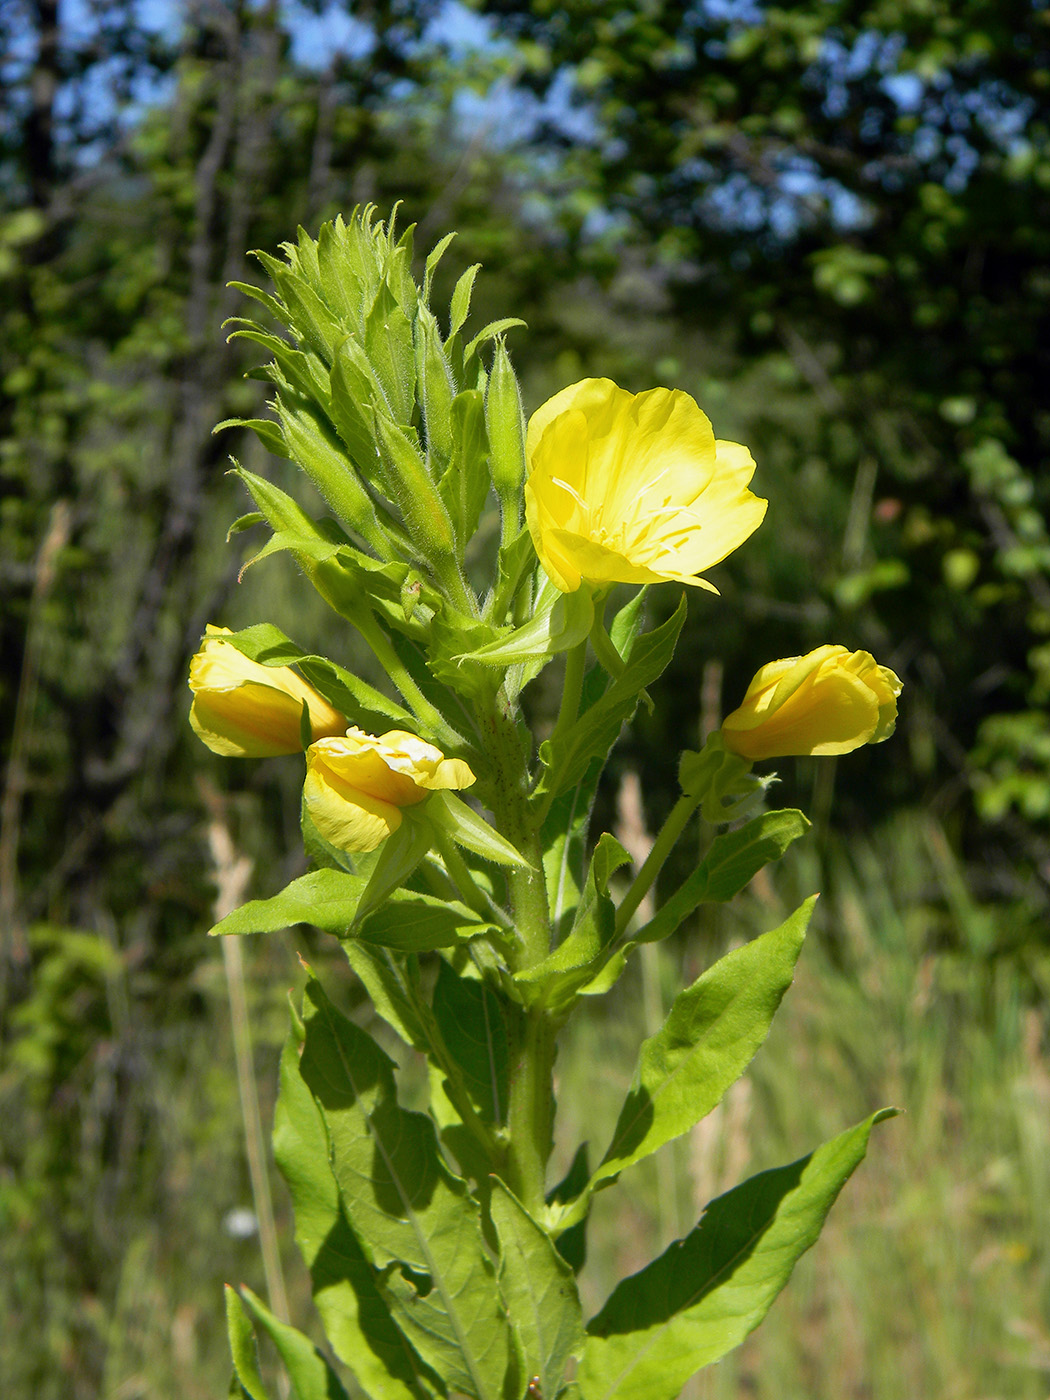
[{"x": 452, "y": 855}]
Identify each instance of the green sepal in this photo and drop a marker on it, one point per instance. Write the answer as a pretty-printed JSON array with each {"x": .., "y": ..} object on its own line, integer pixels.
[
  {"x": 433, "y": 258},
  {"x": 412, "y": 489},
  {"x": 245, "y": 522},
  {"x": 465, "y": 484},
  {"x": 399, "y": 857},
  {"x": 388, "y": 345},
  {"x": 490, "y": 332},
  {"x": 471, "y": 831},
  {"x": 265, "y": 429},
  {"x": 704, "y": 1294},
  {"x": 734, "y": 859},
  {"x": 362, "y": 704},
  {"x": 437, "y": 391},
  {"x": 505, "y": 422},
  {"x": 317, "y": 449}
]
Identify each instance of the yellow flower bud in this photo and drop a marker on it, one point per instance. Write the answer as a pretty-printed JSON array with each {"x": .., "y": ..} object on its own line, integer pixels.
[
  {"x": 633, "y": 488},
  {"x": 244, "y": 710},
  {"x": 829, "y": 702},
  {"x": 356, "y": 785}
]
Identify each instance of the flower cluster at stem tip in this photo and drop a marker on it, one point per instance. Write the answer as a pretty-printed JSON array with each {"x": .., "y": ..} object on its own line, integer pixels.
[{"x": 620, "y": 488}]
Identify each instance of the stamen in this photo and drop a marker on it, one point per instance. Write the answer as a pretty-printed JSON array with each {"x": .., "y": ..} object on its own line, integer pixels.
[{"x": 572, "y": 492}]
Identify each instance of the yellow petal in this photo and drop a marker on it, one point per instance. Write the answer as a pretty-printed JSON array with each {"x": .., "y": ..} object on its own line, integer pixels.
[
  {"x": 346, "y": 817},
  {"x": 830, "y": 701},
  {"x": 633, "y": 488},
  {"x": 245, "y": 710}
]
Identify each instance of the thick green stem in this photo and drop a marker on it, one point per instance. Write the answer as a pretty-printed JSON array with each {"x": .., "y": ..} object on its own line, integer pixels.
[{"x": 530, "y": 1111}]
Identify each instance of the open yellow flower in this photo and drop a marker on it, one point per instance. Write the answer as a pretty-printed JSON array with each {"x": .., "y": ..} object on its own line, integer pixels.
[
  {"x": 244, "y": 710},
  {"x": 828, "y": 702},
  {"x": 356, "y": 785},
  {"x": 633, "y": 488}
]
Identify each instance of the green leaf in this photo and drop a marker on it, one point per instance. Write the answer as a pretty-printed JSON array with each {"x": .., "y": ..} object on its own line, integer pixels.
[
  {"x": 559, "y": 621},
  {"x": 387, "y": 983},
  {"x": 709, "y": 1038},
  {"x": 472, "y": 1019},
  {"x": 416, "y": 1220},
  {"x": 572, "y": 1243},
  {"x": 734, "y": 859},
  {"x": 597, "y": 729},
  {"x": 248, "y": 1381},
  {"x": 328, "y": 899},
  {"x": 564, "y": 838},
  {"x": 539, "y": 1289},
  {"x": 310, "y": 1374},
  {"x": 356, "y": 1320},
  {"x": 554, "y": 981},
  {"x": 704, "y": 1294},
  {"x": 737, "y": 856},
  {"x": 411, "y": 922}
]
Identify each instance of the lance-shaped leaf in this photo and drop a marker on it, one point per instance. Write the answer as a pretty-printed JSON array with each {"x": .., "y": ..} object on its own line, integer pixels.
[
  {"x": 705, "y": 1293},
  {"x": 709, "y": 1038},
  {"x": 559, "y": 621},
  {"x": 410, "y": 922},
  {"x": 573, "y": 963},
  {"x": 472, "y": 1019},
  {"x": 356, "y": 1319},
  {"x": 391, "y": 991},
  {"x": 310, "y": 1374},
  {"x": 248, "y": 1383},
  {"x": 414, "y": 922},
  {"x": 415, "y": 1219},
  {"x": 572, "y": 1243},
  {"x": 567, "y": 757},
  {"x": 539, "y": 1289},
  {"x": 734, "y": 859}
]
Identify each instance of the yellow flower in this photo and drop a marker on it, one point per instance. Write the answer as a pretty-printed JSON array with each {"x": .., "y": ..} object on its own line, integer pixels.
[
  {"x": 633, "y": 488},
  {"x": 244, "y": 710},
  {"x": 356, "y": 785},
  {"x": 829, "y": 702}
]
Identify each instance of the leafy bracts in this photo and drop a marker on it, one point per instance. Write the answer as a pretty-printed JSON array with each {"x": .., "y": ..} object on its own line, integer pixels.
[{"x": 452, "y": 853}]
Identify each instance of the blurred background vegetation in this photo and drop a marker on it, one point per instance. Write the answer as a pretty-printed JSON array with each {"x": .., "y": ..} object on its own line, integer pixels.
[{"x": 830, "y": 223}]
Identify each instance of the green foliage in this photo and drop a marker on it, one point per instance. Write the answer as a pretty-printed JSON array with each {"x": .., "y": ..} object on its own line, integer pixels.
[{"x": 701, "y": 1297}]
